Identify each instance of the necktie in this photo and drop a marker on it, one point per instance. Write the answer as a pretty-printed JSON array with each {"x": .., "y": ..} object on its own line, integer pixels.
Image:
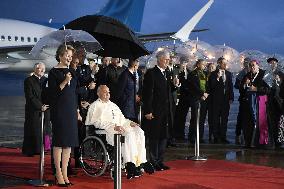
[{"x": 165, "y": 75}]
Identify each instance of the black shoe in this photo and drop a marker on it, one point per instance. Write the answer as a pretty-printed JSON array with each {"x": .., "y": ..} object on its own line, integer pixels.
[
  {"x": 148, "y": 167},
  {"x": 69, "y": 183},
  {"x": 130, "y": 170},
  {"x": 28, "y": 155},
  {"x": 173, "y": 145},
  {"x": 163, "y": 166},
  {"x": 62, "y": 185},
  {"x": 157, "y": 167},
  {"x": 137, "y": 172},
  {"x": 201, "y": 141}
]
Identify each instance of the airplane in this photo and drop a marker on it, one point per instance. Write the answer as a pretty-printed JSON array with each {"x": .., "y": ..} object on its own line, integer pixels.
[
  {"x": 18, "y": 37},
  {"x": 15, "y": 44}
]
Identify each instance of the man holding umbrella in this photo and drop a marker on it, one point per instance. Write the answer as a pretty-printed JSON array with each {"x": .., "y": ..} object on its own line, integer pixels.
[{"x": 109, "y": 77}]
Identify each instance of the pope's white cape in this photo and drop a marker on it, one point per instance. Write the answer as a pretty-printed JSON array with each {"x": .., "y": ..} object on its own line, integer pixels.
[{"x": 105, "y": 115}]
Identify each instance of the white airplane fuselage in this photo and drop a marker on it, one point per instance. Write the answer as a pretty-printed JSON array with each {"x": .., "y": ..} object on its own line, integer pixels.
[
  {"x": 18, "y": 37},
  {"x": 15, "y": 38}
]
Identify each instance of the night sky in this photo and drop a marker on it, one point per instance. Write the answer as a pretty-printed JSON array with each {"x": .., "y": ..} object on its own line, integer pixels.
[{"x": 241, "y": 24}]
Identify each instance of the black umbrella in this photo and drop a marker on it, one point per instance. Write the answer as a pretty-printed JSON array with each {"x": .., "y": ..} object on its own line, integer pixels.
[{"x": 116, "y": 38}]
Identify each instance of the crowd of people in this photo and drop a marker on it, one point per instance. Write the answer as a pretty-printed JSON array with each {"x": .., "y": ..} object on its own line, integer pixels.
[{"x": 108, "y": 96}]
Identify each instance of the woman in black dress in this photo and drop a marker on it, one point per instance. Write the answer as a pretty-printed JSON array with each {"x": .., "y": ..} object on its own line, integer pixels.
[{"x": 62, "y": 84}]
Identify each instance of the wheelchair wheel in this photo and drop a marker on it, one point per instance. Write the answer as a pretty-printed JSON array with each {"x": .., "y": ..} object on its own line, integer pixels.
[{"x": 93, "y": 156}]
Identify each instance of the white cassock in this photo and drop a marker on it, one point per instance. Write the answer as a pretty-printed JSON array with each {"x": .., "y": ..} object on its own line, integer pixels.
[{"x": 105, "y": 115}]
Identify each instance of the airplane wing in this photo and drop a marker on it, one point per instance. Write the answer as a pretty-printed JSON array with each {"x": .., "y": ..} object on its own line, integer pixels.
[
  {"x": 6, "y": 60},
  {"x": 19, "y": 59},
  {"x": 162, "y": 36},
  {"x": 19, "y": 52},
  {"x": 15, "y": 48}
]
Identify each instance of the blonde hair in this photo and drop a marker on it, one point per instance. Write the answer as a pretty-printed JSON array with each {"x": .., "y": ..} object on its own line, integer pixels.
[{"x": 62, "y": 49}]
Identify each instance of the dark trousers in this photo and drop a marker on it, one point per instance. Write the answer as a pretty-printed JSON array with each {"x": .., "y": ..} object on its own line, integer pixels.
[
  {"x": 274, "y": 112},
  {"x": 171, "y": 125},
  {"x": 157, "y": 149},
  {"x": 193, "y": 118},
  {"x": 219, "y": 115},
  {"x": 240, "y": 118},
  {"x": 180, "y": 117}
]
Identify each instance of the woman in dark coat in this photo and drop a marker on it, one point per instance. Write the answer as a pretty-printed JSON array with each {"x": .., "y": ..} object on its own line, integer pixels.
[
  {"x": 62, "y": 84},
  {"x": 126, "y": 93},
  {"x": 33, "y": 108}
]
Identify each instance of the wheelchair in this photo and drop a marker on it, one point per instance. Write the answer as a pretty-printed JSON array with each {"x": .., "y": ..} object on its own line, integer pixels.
[{"x": 96, "y": 156}]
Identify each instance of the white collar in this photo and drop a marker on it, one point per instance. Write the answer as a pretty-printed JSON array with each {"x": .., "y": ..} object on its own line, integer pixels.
[
  {"x": 130, "y": 71},
  {"x": 161, "y": 69},
  {"x": 255, "y": 76},
  {"x": 103, "y": 101},
  {"x": 36, "y": 75}
]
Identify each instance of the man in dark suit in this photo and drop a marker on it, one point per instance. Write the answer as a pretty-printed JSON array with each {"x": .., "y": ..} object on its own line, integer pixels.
[
  {"x": 220, "y": 88},
  {"x": 240, "y": 123},
  {"x": 127, "y": 92},
  {"x": 173, "y": 72},
  {"x": 34, "y": 106},
  {"x": 183, "y": 100},
  {"x": 109, "y": 77},
  {"x": 157, "y": 101},
  {"x": 196, "y": 82}
]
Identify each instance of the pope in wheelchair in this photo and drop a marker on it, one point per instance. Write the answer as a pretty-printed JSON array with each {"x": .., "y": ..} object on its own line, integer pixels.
[{"x": 104, "y": 114}]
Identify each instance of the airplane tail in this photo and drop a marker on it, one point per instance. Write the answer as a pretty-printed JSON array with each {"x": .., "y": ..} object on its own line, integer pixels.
[
  {"x": 129, "y": 12},
  {"x": 184, "y": 32}
]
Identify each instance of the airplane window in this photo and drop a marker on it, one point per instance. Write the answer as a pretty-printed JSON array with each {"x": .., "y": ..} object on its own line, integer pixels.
[
  {"x": 16, "y": 38},
  {"x": 35, "y": 39},
  {"x": 9, "y": 38},
  {"x": 22, "y": 39},
  {"x": 2, "y": 38},
  {"x": 29, "y": 39}
]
